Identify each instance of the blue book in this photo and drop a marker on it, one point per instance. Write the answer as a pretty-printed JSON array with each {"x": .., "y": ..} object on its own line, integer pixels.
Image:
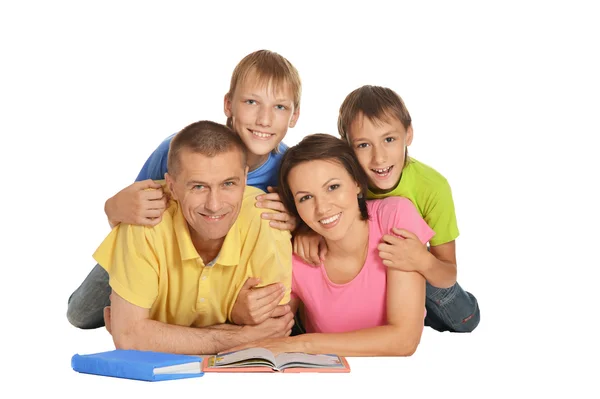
[{"x": 139, "y": 365}]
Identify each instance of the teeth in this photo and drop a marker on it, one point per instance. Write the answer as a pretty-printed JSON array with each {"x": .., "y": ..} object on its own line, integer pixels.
[
  {"x": 261, "y": 134},
  {"x": 331, "y": 219},
  {"x": 215, "y": 217},
  {"x": 384, "y": 170}
]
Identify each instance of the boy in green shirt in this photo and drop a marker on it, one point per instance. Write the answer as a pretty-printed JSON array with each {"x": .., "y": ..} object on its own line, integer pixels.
[{"x": 376, "y": 124}]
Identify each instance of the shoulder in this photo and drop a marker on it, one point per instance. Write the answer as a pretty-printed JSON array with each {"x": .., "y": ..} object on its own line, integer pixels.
[
  {"x": 385, "y": 207},
  {"x": 163, "y": 147},
  {"x": 250, "y": 217},
  {"x": 425, "y": 174}
]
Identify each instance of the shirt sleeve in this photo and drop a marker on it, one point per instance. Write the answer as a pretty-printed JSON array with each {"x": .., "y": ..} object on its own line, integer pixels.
[
  {"x": 155, "y": 166},
  {"x": 129, "y": 258},
  {"x": 439, "y": 213},
  {"x": 401, "y": 213},
  {"x": 277, "y": 266}
]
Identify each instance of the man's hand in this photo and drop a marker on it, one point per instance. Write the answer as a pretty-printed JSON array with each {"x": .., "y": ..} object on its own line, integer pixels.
[
  {"x": 281, "y": 220},
  {"x": 311, "y": 247},
  {"x": 274, "y": 327},
  {"x": 255, "y": 305},
  {"x": 403, "y": 251},
  {"x": 275, "y": 345},
  {"x": 141, "y": 203}
]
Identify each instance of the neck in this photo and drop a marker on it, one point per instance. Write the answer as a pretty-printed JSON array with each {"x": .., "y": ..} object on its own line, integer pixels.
[
  {"x": 207, "y": 249},
  {"x": 353, "y": 243},
  {"x": 255, "y": 161}
]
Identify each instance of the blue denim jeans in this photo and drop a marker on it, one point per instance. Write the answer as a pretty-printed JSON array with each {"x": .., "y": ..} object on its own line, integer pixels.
[
  {"x": 451, "y": 309},
  {"x": 86, "y": 304}
]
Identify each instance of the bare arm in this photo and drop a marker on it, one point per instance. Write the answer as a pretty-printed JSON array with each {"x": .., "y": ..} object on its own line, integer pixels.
[
  {"x": 440, "y": 267},
  {"x": 141, "y": 203},
  {"x": 400, "y": 337},
  {"x": 132, "y": 328}
]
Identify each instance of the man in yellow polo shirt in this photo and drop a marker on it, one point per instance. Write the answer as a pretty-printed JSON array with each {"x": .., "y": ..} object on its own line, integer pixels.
[{"x": 174, "y": 285}]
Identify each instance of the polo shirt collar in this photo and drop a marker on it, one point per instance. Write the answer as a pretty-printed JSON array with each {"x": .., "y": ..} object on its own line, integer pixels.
[{"x": 229, "y": 255}]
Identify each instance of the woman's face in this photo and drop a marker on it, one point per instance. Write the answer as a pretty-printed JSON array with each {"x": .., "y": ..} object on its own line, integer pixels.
[{"x": 326, "y": 197}]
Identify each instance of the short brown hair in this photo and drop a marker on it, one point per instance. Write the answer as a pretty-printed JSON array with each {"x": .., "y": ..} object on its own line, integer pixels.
[
  {"x": 270, "y": 69},
  {"x": 324, "y": 147},
  {"x": 376, "y": 103},
  {"x": 204, "y": 137}
]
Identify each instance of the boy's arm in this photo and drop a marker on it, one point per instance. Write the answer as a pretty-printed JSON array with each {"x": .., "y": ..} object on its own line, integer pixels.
[
  {"x": 440, "y": 267},
  {"x": 142, "y": 203},
  {"x": 131, "y": 328}
]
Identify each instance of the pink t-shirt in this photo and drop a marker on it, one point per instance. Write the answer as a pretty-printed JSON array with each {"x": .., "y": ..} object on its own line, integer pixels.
[{"x": 360, "y": 303}]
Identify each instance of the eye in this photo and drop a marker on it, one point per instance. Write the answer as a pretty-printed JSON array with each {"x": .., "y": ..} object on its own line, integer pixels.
[
  {"x": 281, "y": 107},
  {"x": 228, "y": 184},
  {"x": 389, "y": 139},
  {"x": 198, "y": 187},
  {"x": 333, "y": 187},
  {"x": 362, "y": 145},
  {"x": 251, "y": 102},
  {"x": 306, "y": 197}
]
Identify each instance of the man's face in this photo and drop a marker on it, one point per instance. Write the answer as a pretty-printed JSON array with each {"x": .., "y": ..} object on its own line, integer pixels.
[{"x": 210, "y": 191}]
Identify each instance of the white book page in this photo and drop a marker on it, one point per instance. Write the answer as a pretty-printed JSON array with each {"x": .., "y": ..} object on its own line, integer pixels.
[
  {"x": 305, "y": 359},
  {"x": 186, "y": 368},
  {"x": 245, "y": 354}
]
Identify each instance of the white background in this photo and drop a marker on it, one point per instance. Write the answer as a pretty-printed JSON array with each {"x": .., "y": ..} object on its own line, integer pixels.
[{"x": 504, "y": 100}]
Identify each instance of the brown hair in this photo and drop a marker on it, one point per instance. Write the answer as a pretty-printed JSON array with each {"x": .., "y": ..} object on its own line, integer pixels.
[
  {"x": 324, "y": 147},
  {"x": 376, "y": 103},
  {"x": 204, "y": 137},
  {"x": 270, "y": 69}
]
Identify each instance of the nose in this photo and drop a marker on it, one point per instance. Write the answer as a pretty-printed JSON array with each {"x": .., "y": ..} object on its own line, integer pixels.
[
  {"x": 379, "y": 155},
  {"x": 323, "y": 206},
  {"x": 213, "y": 201},
  {"x": 265, "y": 116}
]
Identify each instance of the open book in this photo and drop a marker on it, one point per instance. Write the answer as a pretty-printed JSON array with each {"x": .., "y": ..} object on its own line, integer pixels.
[{"x": 263, "y": 360}]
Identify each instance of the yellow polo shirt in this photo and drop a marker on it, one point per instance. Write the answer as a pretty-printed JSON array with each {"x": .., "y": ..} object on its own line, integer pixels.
[{"x": 158, "y": 268}]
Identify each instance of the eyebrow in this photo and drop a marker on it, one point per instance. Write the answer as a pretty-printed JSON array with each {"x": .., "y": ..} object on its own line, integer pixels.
[
  {"x": 277, "y": 100},
  {"x": 324, "y": 184},
  {"x": 194, "y": 182},
  {"x": 381, "y": 135}
]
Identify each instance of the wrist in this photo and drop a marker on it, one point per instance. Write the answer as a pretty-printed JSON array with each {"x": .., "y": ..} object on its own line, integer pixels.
[{"x": 427, "y": 264}]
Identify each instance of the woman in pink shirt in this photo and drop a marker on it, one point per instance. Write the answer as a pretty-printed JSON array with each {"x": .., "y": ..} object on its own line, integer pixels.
[{"x": 353, "y": 304}]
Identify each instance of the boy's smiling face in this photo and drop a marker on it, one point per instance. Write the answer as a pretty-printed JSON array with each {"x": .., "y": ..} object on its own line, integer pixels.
[
  {"x": 380, "y": 146},
  {"x": 261, "y": 115}
]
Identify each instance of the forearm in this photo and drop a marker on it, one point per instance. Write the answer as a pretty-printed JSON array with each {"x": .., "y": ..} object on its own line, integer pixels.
[
  {"x": 156, "y": 336},
  {"x": 377, "y": 341},
  {"x": 439, "y": 273}
]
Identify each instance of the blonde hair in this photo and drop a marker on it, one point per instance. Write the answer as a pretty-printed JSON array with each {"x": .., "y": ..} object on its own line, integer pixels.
[{"x": 269, "y": 68}]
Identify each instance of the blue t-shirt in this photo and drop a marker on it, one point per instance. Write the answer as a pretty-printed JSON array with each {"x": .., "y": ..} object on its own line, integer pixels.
[{"x": 266, "y": 175}]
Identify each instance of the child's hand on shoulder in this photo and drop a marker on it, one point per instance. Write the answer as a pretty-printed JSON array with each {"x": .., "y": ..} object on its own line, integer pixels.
[
  {"x": 282, "y": 219},
  {"x": 310, "y": 246},
  {"x": 403, "y": 250}
]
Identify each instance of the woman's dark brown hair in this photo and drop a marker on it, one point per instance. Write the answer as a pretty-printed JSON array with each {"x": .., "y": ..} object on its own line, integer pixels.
[{"x": 320, "y": 147}]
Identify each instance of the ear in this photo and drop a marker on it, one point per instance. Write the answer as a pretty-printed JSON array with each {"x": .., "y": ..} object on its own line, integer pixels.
[
  {"x": 295, "y": 117},
  {"x": 170, "y": 184},
  {"x": 409, "y": 135},
  {"x": 358, "y": 190},
  {"x": 227, "y": 105}
]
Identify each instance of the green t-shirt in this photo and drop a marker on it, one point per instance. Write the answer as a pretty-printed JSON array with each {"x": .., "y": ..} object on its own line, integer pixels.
[{"x": 431, "y": 194}]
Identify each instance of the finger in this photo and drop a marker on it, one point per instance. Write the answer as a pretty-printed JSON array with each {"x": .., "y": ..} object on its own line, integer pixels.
[
  {"x": 250, "y": 282},
  {"x": 390, "y": 239},
  {"x": 386, "y": 255},
  {"x": 404, "y": 233},
  {"x": 281, "y": 225},
  {"x": 388, "y": 263},
  {"x": 313, "y": 253},
  {"x": 322, "y": 250},
  {"x": 146, "y": 184},
  {"x": 280, "y": 310},
  {"x": 272, "y": 189},
  {"x": 154, "y": 221},
  {"x": 386, "y": 247},
  {"x": 152, "y": 194},
  {"x": 160, "y": 204},
  {"x": 272, "y": 196},
  {"x": 274, "y": 205},
  {"x": 277, "y": 216},
  {"x": 263, "y": 293},
  {"x": 266, "y": 305}
]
